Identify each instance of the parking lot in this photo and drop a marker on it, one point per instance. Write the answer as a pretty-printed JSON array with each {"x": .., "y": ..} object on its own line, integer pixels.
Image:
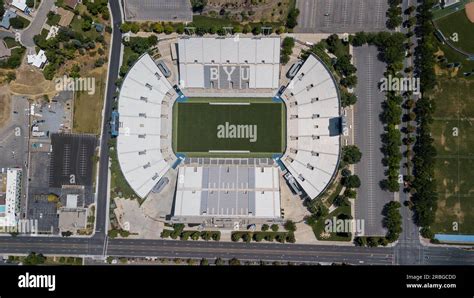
[
  {"x": 72, "y": 160},
  {"x": 341, "y": 16},
  {"x": 158, "y": 10},
  {"x": 55, "y": 116},
  {"x": 14, "y": 139},
  {"x": 368, "y": 129}
]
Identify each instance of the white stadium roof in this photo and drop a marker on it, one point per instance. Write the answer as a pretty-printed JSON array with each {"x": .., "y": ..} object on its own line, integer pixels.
[
  {"x": 313, "y": 143},
  {"x": 248, "y": 63},
  {"x": 228, "y": 191},
  {"x": 139, "y": 140}
]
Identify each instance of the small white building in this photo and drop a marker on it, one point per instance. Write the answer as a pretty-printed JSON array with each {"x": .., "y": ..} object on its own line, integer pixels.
[
  {"x": 19, "y": 4},
  {"x": 38, "y": 60},
  {"x": 53, "y": 31},
  {"x": 12, "y": 199}
]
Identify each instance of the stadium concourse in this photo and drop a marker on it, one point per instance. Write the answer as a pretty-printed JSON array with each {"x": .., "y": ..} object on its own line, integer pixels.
[{"x": 217, "y": 188}]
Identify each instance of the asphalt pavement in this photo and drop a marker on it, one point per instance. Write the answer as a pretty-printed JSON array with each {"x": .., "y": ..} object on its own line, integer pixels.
[
  {"x": 114, "y": 65},
  {"x": 36, "y": 25},
  {"x": 368, "y": 128},
  {"x": 341, "y": 16}
]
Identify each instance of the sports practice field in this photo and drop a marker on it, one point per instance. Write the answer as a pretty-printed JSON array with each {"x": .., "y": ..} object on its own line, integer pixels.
[
  {"x": 458, "y": 26},
  {"x": 223, "y": 126},
  {"x": 453, "y": 133}
]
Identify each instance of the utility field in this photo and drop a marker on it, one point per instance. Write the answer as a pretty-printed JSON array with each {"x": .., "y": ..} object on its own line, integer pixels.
[
  {"x": 224, "y": 127},
  {"x": 453, "y": 133}
]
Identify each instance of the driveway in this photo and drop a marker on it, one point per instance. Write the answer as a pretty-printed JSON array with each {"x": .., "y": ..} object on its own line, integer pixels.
[{"x": 36, "y": 25}]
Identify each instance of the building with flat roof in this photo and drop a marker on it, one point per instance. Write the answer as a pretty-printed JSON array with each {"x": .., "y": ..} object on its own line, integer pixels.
[
  {"x": 38, "y": 60},
  {"x": 314, "y": 127},
  {"x": 9, "y": 14},
  {"x": 227, "y": 192},
  {"x": 229, "y": 63},
  {"x": 11, "y": 209}
]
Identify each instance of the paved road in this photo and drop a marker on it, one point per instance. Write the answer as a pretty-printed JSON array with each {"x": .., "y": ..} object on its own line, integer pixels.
[
  {"x": 36, "y": 26},
  {"x": 409, "y": 249},
  {"x": 340, "y": 16},
  {"x": 244, "y": 251},
  {"x": 114, "y": 60},
  {"x": 367, "y": 131}
]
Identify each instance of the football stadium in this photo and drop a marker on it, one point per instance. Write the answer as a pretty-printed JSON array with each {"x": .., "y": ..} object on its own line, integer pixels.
[{"x": 229, "y": 129}]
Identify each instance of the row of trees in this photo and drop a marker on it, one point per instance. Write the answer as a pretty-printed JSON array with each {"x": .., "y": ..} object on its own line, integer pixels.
[
  {"x": 392, "y": 220},
  {"x": 199, "y": 29},
  {"x": 179, "y": 232},
  {"x": 281, "y": 237},
  {"x": 391, "y": 47},
  {"x": 286, "y": 49},
  {"x": 424, "y": 195},
  {"x": 394, "y": 14}
]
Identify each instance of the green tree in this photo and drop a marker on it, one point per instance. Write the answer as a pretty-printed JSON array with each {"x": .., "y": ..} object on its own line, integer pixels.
[
  {"x": 168, "y": 29},
  {"x": 351, "y": 154},
  {"x": 352, "y": 181},
  {"x": 274, "y": 227},
  {"x": 34, "y": 259},
  {"x": 204, "y": 262},
  {"x": 290, "y": 226},
  {"x": 198, "y": 5},
  {"x": 219, "y": 262},
  {"x": 234, "y": 262},
  {"x": 265, "y": 227},
  {"x": 125, "y": 27},
  {"x": 292, "y": 18},
  {"x": 158, "y": 28}
]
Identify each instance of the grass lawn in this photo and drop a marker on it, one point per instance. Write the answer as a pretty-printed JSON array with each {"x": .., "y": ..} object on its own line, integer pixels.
[
  {"x": 343, "y": 212},
  {"x": 208, "y": 22},
  {"x": 53, "y": 20},
  {"x": 88, "y": 108},
  {"x": 11, "y": 42},
  {"x": 458, "y": 23},
  {"x": 76, "y": 25},
  {"x": 455, "y": 160},
  {"x": 197, "y": 125}
]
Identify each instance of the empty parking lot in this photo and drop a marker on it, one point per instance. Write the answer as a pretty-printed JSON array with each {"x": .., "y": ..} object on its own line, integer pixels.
[
  {"x": 158, "y": 10},
  {"x": 341, "y": 16},
  {"x": 72, "y": 160}
]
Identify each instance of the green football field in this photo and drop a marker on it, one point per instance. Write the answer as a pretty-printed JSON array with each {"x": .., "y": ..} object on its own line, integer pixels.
[{"x": 229, "y": 127}]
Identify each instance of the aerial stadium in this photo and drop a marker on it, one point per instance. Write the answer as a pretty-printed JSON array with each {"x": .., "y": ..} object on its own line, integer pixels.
[{"x": 231, "y": 129}]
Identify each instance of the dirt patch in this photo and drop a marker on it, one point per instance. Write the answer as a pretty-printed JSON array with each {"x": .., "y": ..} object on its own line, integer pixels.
[
  {"x": 469, "y": 8},
  {"x": 31, "y": 82},
  {"x": 5, "y": 105},
  {"x": 248, "y": 11}
]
